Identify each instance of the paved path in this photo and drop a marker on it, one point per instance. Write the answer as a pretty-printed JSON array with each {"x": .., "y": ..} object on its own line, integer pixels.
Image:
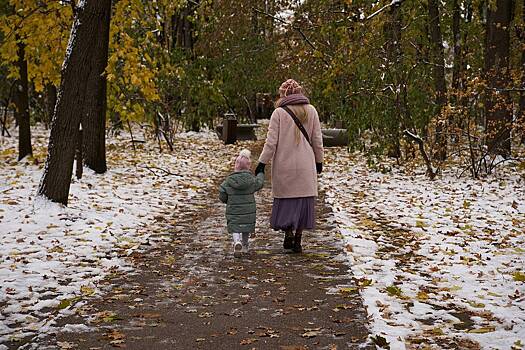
[{"x": 192, "y": 293}]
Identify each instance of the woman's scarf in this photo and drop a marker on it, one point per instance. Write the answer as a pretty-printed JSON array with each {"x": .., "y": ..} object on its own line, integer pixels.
[{"x": 294, "y": 99}]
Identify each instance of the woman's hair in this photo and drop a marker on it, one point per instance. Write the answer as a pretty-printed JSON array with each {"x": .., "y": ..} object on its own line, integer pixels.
[{"x": 302, "y": 115}]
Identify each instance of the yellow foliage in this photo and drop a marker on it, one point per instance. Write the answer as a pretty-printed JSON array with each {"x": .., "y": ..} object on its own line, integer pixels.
[
  {"x": 136, "y": 54},
  {"x": 43, "y": 27}
]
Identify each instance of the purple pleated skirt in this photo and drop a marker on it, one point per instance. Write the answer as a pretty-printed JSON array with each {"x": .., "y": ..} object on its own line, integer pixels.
[{"x": 293, "y": 213}]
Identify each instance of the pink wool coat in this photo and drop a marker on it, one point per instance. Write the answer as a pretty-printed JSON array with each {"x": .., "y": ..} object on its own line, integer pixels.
[{"x": 293, "y": 160}]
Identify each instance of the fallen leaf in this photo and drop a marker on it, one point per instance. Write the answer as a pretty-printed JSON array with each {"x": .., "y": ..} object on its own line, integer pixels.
[
  {"x": 67, "y": 302},
  {"x": 482, "y": 330},
  {"x": 87, "y": 290},
  {"x": 311, "y": 332},
  {"x": 348, "y": 290},
  {"x": 519, "y": 276},
  {"x": 380, "y": 341},
  {"x": 476, "y": 304},
  {"x": 248, "y": 341},
  {"x": 394, "y": 291},
  {"x": 64, "y": 345}
]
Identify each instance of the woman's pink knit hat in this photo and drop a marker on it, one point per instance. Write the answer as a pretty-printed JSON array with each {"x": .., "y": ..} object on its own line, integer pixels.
[
  {"x": 290, "y": 87},
  {"x": 243, "y": 161}
]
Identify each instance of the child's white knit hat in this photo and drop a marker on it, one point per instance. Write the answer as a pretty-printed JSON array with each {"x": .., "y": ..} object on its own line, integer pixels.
[{"x": 243, "y": 160}]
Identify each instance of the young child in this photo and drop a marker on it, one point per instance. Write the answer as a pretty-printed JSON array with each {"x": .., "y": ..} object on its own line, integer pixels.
[{"x": 237, "y": 191}]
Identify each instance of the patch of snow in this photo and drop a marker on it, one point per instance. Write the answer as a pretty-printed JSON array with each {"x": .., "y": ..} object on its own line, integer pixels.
[
  {"x": 53, "y": 257},
  {"x": 75, "y": 328},
  {"x": 437, "y": 260}
]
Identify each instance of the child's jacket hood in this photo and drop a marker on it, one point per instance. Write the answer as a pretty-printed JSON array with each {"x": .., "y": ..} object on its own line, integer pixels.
[{"x": 241, "y": 180}]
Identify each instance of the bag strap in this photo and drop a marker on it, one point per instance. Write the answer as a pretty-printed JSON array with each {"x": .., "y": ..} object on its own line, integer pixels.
[{"x": 298, "y": 123}]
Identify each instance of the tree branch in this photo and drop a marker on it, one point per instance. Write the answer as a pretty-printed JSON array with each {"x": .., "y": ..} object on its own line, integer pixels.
[
  {"x": 294, "y": 27},
  {"x": 430, "y": 170},
  {"x": 167, "y": 172},
  {"x": 392, "y": 3}
]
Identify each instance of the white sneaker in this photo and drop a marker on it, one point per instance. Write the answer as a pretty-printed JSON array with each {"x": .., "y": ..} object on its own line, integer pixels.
[{"x": 237, "y": 249}]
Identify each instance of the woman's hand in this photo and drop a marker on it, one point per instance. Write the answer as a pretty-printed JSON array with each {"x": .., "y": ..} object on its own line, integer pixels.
[
  {"x": 319, "y": 167},
  {"x": 260, "y": 168}
]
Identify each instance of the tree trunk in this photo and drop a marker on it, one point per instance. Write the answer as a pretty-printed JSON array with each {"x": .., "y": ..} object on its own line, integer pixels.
[
  {"x": 456, "y": 38},
  {"x": 521, "y": 110},
  {"x": 183, "y": 31},
  {"x": 498, "y": 103},
  {"x": 78, "y": 155},
  {"x": 393, "y": 29},
  {"x": 188, "y": 34},
  {"x": 21, "y": 100},
  {"x": 76, "y": 69},
  {"x": 438, "y": 70},
  {"x": 51, "y": 100},
  {"x": 94, "y": 115}
]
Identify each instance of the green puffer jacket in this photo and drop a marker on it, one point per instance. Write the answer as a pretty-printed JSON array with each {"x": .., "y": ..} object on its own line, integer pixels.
[{"x": 237, "y": 192}]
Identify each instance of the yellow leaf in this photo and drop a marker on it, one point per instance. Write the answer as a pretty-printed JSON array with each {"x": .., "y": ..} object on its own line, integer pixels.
[
  {"x": 482, "y": 330},
  {"x": 420, "y": 224},
  {"x": 476, "y": 304},
  {"x": 519, "y": 276},
  {"x": 87, "y": 290},
  {"x": 422, "y": 296},
  {"x": 347, "y": 290}
]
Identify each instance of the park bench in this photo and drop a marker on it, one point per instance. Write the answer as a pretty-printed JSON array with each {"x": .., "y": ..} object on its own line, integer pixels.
[{"x": 335, "y": 137}]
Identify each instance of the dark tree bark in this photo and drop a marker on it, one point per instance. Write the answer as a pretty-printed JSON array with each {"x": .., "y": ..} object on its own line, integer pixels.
[
  {"x": 183, "y": 31},
  {"x": 95, "y": 105},
  {"x": 21, "y": 100},
  {"x": 78, "y": 155},
  {"x": 51, "y": 100},
  {"x": 498, "y": 103},
  {"x": 521, "y": 108},
  {"x": 393, "y": 57},
  {"x": 438, "y": 70},
  {"x": 456, "y": 38},
  {"x": 76, "y": 69}
]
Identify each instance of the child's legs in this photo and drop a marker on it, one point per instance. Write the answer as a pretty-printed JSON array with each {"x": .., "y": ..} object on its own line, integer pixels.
[
  {"x": 237, "y": 246},
  {"x": 236, "y": 237},
  {"x": 245, "y": 237}
]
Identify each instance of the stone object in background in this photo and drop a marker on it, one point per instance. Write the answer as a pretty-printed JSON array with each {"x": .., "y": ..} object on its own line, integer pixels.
[
  {"x": 245, "y": 132},
  {"x": 335, "y": 137}
]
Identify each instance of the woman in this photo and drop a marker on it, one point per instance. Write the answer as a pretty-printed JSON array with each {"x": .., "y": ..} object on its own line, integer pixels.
[{"x": 297, "y": 158}]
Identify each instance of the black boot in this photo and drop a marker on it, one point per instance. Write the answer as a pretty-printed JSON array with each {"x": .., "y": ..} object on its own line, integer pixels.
[
  {"x": 297, "y": 248},
  {"x": 288, "y": 240}
]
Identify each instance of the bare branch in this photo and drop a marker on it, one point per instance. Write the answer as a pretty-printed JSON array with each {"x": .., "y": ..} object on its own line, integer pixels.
[
  {"x": 430, "y": 169},
  {"x": 296, "y": 28},
  {"x": 391, "y": 4},
  {"x": 167, "y": 172}
]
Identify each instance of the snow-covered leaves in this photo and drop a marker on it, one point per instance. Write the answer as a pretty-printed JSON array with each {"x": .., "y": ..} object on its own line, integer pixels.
[
  {"x": 445, "y": 259},
  {"x": 52, "y": 256}
]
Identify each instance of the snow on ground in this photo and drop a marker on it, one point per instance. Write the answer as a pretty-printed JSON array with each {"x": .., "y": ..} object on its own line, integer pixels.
[
  {"x": 52, "y": 256},
  {"x": 439, "y": 264}
]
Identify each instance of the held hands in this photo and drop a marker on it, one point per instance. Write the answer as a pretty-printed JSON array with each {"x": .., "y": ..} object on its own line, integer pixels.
[
  {"x": 260, "y": 168},
  {"x": 319, "y": 167}
]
